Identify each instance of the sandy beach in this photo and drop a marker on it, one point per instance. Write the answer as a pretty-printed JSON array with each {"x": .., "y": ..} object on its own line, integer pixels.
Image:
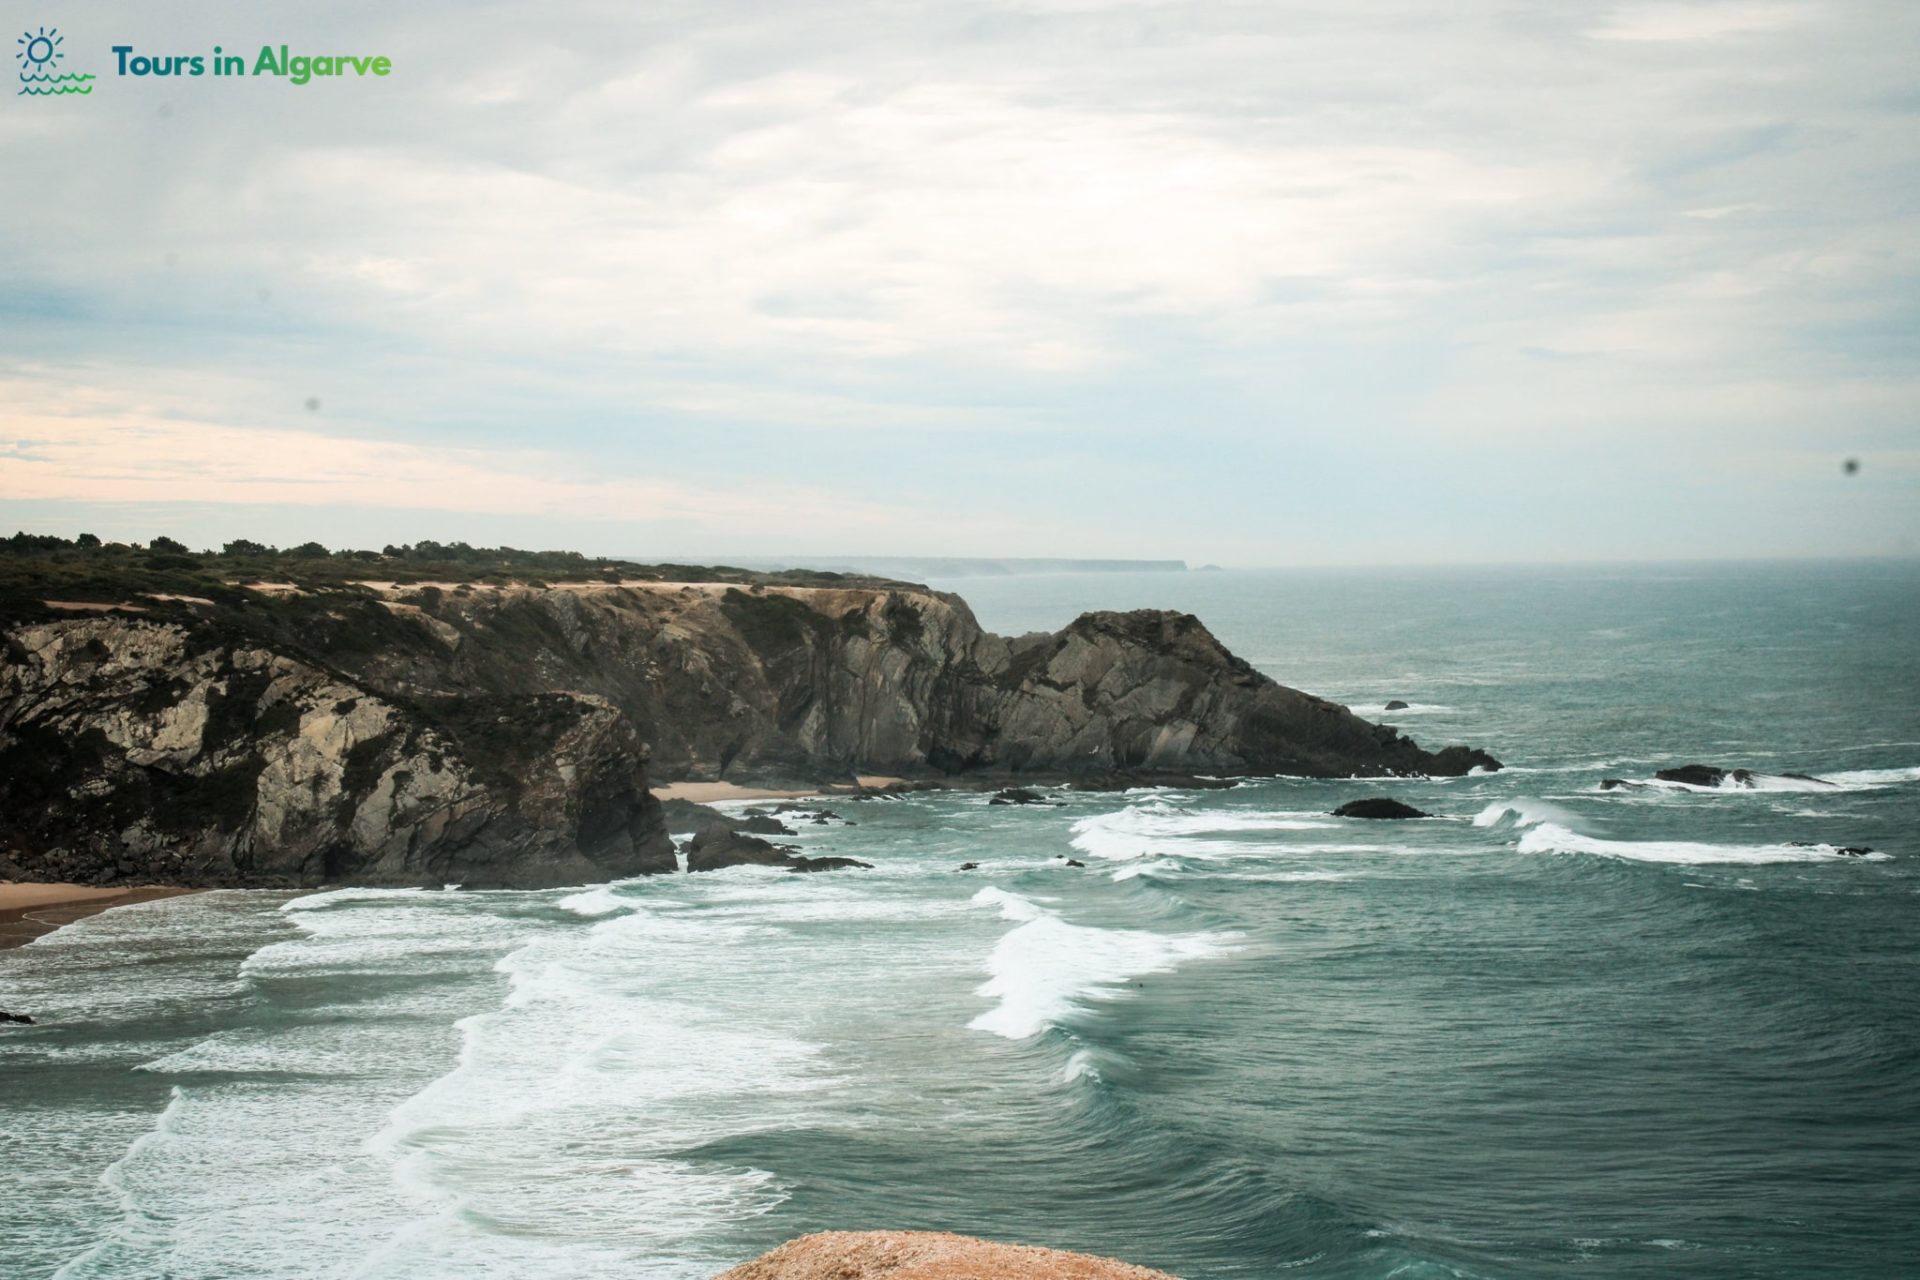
[
  {"x": 709, "y": 792},
  {"x": 28, "y": 911}
]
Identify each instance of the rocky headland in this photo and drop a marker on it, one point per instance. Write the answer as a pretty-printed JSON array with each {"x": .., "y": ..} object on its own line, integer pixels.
[{"x": 508, "y": 733}]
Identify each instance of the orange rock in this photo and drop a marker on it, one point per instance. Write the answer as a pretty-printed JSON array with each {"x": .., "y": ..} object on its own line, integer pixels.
[{"x": 926, "y": 1255}]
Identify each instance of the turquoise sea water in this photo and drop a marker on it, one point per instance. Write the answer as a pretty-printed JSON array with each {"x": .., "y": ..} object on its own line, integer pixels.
[{"x": 1551, "y": 1032}]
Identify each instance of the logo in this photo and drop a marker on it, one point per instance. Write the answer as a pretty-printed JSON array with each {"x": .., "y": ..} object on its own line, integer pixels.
[{"x": 40, "y": 57}]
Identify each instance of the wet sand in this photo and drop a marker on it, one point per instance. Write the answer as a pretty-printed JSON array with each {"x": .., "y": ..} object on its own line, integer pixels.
[
  {"x": 708, "y": 792},
  {"x": 29, "y": 911}
]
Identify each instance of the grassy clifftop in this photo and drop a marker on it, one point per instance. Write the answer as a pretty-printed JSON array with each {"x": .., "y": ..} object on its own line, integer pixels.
[{"x": 38, "y": 567}]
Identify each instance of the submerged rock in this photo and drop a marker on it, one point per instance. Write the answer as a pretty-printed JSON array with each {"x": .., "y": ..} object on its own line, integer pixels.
[
  {"x": 1706, "y": 775},
  {"x": 1075, "y": 862},
  {"x": 1378, "y": 807},
  {"x": 1018, "y": 795},
  {"x": 1395, "y": 705},
  {"x": 15, "y": 1017},
  {"x": 968, "y": 866},
  {"x": 1844, "y": 850},
  {"x": 926, "y": 1255},
  {"x": 1621, "y": 784},
  {"x": 828, "y": 864}
]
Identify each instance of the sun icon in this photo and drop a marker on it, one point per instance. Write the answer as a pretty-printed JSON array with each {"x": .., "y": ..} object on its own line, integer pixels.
[{"x": 39, "y": 52}]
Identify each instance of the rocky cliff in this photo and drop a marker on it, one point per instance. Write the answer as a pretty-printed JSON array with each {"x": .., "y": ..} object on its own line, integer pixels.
[
  {"x": 786, "y": 684},
  {"x": 494, "y": 734},
  {"x": 141, "y": 750}
]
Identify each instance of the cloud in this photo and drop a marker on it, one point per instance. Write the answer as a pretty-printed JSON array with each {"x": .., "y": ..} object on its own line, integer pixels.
[
  {"x": 1022, "y": 270},
  {"x": 84, "y": 444},
  {"x": 1701, "y": 21}
]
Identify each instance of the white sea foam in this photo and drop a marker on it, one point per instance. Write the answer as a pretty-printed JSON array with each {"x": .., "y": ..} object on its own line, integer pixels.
[
  {"x": 402, "y": 933},
  {"x": 1870, "y": 778},
  {"x": 1134, "y": 870},
  {"x": 602, "y": 901},
  {"x": 1289, "y": 877},
  {"x": 1525, "y": 811},
  {"x": 1045, "y": 969},
  {"x": 539, "y": 1118},
  {"x": 1159, "y": 827},
  {"x": 1551, "y": 837},
  {"x": 1823, "y": 783}
]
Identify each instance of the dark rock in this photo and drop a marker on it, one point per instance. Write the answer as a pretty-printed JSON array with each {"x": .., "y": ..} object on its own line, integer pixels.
[
  {"x": 1378, "y": 807},
  {"x": 1075, "y": 862},
  {"x": 760, "y": 824},
  {"x": 194, "y": 753},
  {"x": 1807, "y": 777},
  {"x": 1017, "y": 795},
  {"x": 15, "y": 1017},
  {"x": 719, "y": 846},
  {"x": 1845, "y": 850},
  {"x": 1706, "y": 775},
  {"x": 1395, "y": 705},
  {"x": 828, "y": 864},
  {"x": 969, "y": 866},
  {"x": 814, "y": 812}
]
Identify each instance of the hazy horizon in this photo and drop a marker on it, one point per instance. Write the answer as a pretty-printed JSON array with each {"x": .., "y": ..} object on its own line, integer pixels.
[{"x": 1301, "y": 283}]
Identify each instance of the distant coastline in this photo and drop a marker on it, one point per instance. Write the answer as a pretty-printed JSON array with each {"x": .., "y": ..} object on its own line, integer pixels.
[{"x": 916, "y": 568}]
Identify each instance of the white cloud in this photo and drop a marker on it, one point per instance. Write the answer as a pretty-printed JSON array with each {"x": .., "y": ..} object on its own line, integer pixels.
[
  {"x": 1700, "y": 20},
  {"x": 89, "y": 444}
]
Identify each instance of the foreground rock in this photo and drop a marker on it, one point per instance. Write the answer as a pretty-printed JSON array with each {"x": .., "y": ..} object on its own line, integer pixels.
[
  {"x": 926, "y": 1255},
  {"x": 1378, "y": 807},
  {"x": 15, "y": 1017}
]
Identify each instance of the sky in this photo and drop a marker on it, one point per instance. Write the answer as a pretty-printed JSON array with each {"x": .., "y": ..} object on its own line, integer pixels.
[{"x": 1329, "y": 282}]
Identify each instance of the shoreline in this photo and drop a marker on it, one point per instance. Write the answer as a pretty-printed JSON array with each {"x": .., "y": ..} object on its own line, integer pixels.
[
  {"x": 715, "y": 792},
  {"x": 30, "y": 909}
]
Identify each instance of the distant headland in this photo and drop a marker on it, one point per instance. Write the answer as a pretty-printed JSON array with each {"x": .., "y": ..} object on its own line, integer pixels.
[{"x": 441, "y": 713}]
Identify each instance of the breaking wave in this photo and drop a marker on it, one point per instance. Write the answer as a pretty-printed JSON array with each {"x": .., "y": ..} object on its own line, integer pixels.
[{"x": 1045, "y": 970}]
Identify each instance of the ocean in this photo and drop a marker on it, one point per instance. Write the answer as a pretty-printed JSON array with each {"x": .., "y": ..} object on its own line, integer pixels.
[{"x": 1552, "y": 1031}]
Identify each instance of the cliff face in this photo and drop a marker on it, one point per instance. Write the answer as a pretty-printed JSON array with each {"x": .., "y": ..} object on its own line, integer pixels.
[
  {"x": 134, "y": 749},
  {"x": 494, "y": 736},
  {"x": 802, "y": 684}
]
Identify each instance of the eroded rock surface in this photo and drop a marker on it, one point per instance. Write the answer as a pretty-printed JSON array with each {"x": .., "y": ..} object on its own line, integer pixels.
[
  {"x": 502, "y": 735},
  {"x": 133, "y": 750},
  {"x": 926, "y": 1255}
]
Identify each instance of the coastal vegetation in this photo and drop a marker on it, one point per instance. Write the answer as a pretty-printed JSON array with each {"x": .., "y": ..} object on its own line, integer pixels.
[{"x": 36, "y": 566}]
